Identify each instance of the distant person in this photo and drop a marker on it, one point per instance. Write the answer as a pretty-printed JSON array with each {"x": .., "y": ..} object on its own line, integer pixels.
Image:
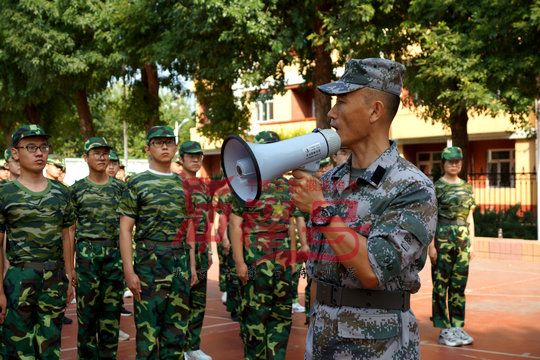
[
  {"x": 449, "y": 252},
  {"x": 4, "y": 171},
  {"x": 55, "y": 165},
  {"x": 36, "y": 213},
  {"x": 12, "y": 165},
  {"x": 114, "y": 163}
]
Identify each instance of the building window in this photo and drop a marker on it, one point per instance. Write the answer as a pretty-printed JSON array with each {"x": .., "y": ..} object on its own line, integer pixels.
[
  {"x": 263, "y": 110},
  {"x": 429, "y": 162},
  {"x": 501, "y": 167}
]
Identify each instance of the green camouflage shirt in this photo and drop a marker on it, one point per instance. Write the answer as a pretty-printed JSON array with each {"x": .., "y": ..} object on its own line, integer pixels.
[
  {"x": 265, "y": 223},
  {"x": 95, "y": 206},
  {"x": 34, "y": 221},
  {"x": 454, "y": 200},
  {"x": 159, "y": 205},
  {"x": 202, "y": 202}
]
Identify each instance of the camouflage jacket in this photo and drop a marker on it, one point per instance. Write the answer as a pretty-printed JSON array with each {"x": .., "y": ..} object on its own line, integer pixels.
[
  {"x": 95, "y": 206},
  {"x": 454, "y": 200},
  {"x": 34, "y": 221},
  {"x": 159, "y": 205},
  {"x": 265, "y": 223}
]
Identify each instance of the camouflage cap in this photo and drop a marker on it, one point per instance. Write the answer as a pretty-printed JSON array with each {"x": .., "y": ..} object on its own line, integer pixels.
[
  {"x": 27, "y": 131},
  {"x": 7, "y": 154},
  {"x": 266, "y": 137},
  {"x": 381, "y": 74},
  {"x": 95, "y": 142},
  {"x": 452, "y": 153},
  {"x": 56, "y": 160},
  {"x": 159, "y": 131},
  {"x": 113, "y": 156},
  {"x": 190, "y": 147}
]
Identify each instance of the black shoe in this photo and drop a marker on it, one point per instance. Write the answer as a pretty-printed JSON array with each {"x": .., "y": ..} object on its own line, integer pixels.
[
  {"x": 66, "y": 320},
  {"x": 125, "y": 312}
]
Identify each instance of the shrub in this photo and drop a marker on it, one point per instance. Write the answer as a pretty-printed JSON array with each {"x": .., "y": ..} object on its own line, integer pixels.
[{"x": 514, "y": 223}]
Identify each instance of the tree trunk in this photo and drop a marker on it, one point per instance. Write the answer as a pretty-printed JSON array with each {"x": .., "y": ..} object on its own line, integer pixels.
[
  {"x": 85, "y": 116},
  {"x": 322, "y": 74},
  {"x": 460, "y": 137},
  {"x": 150, "y": 81},
  {"x": 32, "y": 113}
]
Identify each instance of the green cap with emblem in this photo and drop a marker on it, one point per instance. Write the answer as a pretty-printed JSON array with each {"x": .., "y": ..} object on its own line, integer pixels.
[
  {"x": 159, "y": 131},
  {"x": 56, "y": 160},
  {"x": 190, "y": 147},
  {"x": 376, "y": 73},
  {"x": 266, "y": 137},
  {"x": 7, "y": 154},
  {"x": 452, "y": 153},
  {"x": 95, "y": 142},
  {"x": 113, "y": 156},
  {"x": 27, "y": 131}
]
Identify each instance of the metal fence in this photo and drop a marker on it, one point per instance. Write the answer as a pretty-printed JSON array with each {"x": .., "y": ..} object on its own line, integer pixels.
[{"x": 499, "y": 191}]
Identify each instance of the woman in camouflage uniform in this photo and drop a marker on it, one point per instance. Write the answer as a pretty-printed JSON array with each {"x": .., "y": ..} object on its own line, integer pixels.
[{"x": 450, "y": 250}]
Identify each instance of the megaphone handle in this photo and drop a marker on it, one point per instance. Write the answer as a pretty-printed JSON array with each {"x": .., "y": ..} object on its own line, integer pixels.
[{"x": 311, "y": 167}]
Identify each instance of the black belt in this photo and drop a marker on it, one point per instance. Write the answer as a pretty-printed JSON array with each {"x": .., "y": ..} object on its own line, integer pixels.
[
  {"x": 442, "y": 221},
  {"x": 48, "y": 265},
  {"x": 101, "y": 242},
  {"x": 332, "y": 295},
  {"x": 169, "y": 244}
]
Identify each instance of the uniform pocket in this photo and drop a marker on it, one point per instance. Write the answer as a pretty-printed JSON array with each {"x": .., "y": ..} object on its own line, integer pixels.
[{"x": 367, "y": 326}]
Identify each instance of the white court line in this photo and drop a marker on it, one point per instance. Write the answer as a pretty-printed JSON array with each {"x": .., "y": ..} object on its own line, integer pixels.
[{"x": 525, "y": 355}]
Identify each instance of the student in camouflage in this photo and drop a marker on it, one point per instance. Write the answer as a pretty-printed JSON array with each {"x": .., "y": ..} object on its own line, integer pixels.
[
  {"x": 192, "y": 156},
  {"x": 36, "y": 213},
  {"x": 372, "y": 219},
  {"x": 262, "y": 235},
  {"x": 114, "y": 163},
  {"x": 12, "y": 165},
  {"x": 99, "y": 268},
  {"x": 450, "y": 250},
  {"x": 55, "y": 165},
  {"x": 164, "y": 265}
]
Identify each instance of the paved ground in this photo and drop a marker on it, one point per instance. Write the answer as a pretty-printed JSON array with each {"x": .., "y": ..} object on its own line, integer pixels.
[{"x": 503, "y": 316}]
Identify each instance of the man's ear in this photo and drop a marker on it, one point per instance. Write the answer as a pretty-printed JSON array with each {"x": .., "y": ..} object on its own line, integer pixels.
[
  {"x": 377, "y": 111},
  {"x": 85, "y": 157},
  {"x": 15, "y": 153}
]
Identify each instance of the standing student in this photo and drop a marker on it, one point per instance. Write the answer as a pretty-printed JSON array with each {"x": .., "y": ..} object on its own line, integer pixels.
[
  {"x": 36, "y": 213},
  {"x": 99, "y": 266},
  {"x": 450, "y": 250},
  {"x": 155, "y": 201}
]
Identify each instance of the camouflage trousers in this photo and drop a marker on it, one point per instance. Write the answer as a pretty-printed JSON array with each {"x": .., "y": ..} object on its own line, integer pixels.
[
  {"x": 223, "y": 269},
  {"x": 161, "y": 317},
  {"x": 36, "y": 301},
  {"x": 265, "y": 320},
  {"x": 450, "y": 275},
  {"x": 231, "y": 284},
  {"x": 99, "y": 300},
  {"x": 197, "y": 302},
  {"x": 307, "y": 300}
]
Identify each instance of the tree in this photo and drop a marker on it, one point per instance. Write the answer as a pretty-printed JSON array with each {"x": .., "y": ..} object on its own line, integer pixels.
[{"x": 457, "y": 66}]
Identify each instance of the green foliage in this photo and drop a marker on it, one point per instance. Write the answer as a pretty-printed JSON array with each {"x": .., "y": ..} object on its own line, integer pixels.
[{"x": 514, "y": 224}]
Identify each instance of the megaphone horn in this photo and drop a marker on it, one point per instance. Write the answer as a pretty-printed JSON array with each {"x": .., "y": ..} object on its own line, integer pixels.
[{"x": 248, "y": 166}]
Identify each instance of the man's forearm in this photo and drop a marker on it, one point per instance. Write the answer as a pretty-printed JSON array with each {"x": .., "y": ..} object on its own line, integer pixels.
[
  {"x": 68, "y": 249},
  {"x": 126, "y": 251}
]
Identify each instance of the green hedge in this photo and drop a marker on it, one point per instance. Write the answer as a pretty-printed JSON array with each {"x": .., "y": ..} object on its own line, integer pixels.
[{"x": 513, "y": 225}]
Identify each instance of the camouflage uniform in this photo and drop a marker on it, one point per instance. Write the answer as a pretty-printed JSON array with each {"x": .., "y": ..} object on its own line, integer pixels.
[
  {"x": 35, "y": 283},
  {"x": 392, "y": 204},
  {"x": 267, "y": 296},
  {"x": 159, "y": 205},
  {"x": 197, "y": 297},
  {"x": 99, "y": 267},
  {"x": 453, "y": 250}
]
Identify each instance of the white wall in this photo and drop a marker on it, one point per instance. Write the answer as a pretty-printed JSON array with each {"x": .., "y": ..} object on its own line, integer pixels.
[{"x": 76, "y": 168}]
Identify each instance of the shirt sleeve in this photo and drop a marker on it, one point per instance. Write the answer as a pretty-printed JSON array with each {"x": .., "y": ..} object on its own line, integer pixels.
[
  {"x": 402, "y": 233},
  {"x": 128, "y": 202},
  {"x": 69, "y": 211},
  {"x": 2, "y": 213}
]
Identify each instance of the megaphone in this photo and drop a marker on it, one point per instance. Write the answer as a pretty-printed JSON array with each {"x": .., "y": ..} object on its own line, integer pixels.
[{"x": 248, "y": 166}]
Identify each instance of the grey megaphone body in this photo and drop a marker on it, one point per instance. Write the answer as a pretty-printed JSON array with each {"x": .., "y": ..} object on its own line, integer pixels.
[{"x": 247, "y": 166}]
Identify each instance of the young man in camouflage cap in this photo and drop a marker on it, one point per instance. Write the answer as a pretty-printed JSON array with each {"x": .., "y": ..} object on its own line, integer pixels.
[
  {"x": 450, "y": 251},
  {"x": 12, "y": 165},
  {"x": 191, "y": 155},
  {"x": 372, "y": 219},
  {"x": 36, "y": 213},
  {"x": 55, "y": 166},
  {"x": 99, "y": 268},
  {"x": 262, "y": 237},
  {"x": 114, "y": 163},
  {"x": 164, "y": 265}
]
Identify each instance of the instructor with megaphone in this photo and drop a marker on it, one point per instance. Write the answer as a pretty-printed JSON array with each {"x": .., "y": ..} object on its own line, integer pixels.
[{"x": 372, "y": 219}]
